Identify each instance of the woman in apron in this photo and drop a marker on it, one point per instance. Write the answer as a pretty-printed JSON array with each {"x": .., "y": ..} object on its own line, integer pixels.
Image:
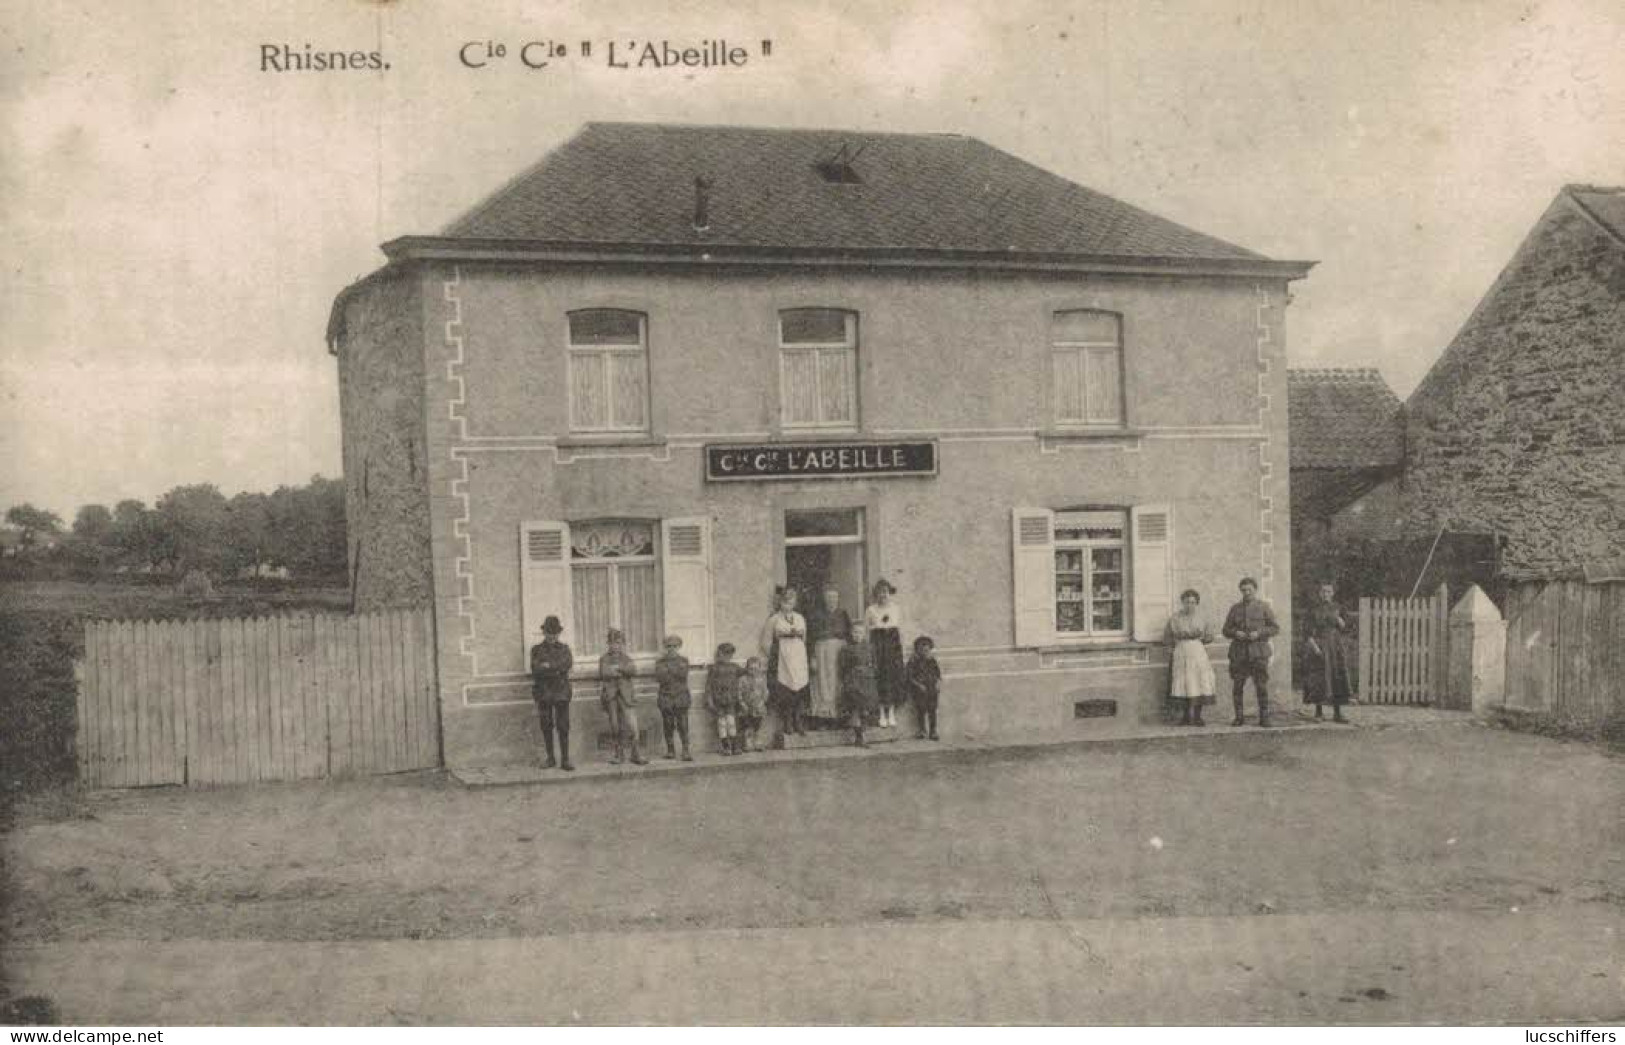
[
  {"x": 784, "y": 643},
  {"x": 1191, "y": 681},
  {"x": 829, "y": 630}
]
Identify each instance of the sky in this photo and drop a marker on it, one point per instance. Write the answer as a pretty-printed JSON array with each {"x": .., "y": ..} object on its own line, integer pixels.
[{"x": 178, "y": 221}]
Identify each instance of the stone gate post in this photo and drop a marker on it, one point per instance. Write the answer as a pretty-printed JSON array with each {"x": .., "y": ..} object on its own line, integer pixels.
[{"x": 1477, "y": 670}]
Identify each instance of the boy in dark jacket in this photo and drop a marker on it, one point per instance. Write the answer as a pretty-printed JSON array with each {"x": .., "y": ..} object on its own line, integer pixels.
[
  {"x": 550, "y": 663},
  {"x": 722, "y": 697},
  {"x": 860, "y": 693},
  {"x": 924, "y": 677},
  {"x": 671, "y": 674}
]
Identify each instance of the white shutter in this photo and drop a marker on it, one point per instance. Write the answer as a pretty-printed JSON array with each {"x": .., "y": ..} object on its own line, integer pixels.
[
  {"x": 544, "y": 579},
  {"x": 686, "y": 583},
  {"x": 1032, "y": 541},
  {"x": 1152, "y": 540}
]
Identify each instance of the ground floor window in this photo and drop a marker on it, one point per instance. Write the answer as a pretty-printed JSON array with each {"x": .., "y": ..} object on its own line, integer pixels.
[
  {"x": 647, "y": 577},
  {"x": 615, "y": 583},
  {"x": 1091, "y": 573}
]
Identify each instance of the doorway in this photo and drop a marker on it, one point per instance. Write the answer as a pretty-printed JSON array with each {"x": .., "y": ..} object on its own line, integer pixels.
[{"x": 824, "y": 547}]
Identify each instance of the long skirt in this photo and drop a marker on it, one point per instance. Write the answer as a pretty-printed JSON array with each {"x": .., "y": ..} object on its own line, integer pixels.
[
  {"x": 889, "y": 679},
  {"x": 1326, "y": 675},
  {"x": 826, "y": 683},
  {"x": 784, "y": 700},
  {"x": 1192, "y": 672}
]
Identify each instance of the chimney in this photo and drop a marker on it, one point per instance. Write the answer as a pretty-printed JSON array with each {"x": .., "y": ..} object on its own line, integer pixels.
[{"x": 702, "y": 204}]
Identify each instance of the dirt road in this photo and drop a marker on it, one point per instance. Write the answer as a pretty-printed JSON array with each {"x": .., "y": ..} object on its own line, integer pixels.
[{"x": 1334, "y": 832}]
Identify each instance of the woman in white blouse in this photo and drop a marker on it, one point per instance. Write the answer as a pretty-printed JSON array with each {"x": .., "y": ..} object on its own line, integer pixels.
[
  {"x": 884, "y": 619},
  {"x": 784, "y": 644}
]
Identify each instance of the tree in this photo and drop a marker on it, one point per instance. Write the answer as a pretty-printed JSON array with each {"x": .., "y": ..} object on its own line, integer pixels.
[
  {"x": 34, "y": 523},
  {"x": 194, "y": 521},
  {"x": 136, "y": 538},
  {"x": 248, "y": 532},
  {"x": 307, "y": 528},
  {"x": 91, "y": 542}
]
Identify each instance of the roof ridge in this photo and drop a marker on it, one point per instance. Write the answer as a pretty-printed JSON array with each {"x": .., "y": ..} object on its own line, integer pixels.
[
  {"x": 774, "y": 129},
  {"x": 1308, "y": 373}
]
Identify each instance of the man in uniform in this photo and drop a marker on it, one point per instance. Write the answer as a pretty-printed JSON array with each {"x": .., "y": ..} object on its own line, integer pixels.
[
  {"x": 1249, "y": 627},
  {"x": 550, "y": 663}
]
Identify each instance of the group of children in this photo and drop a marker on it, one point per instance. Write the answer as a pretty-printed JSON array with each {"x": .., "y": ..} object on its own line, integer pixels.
[{"x": 735, "y": 695}]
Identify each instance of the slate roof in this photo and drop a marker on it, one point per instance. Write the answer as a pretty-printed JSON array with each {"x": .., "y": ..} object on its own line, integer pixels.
[
  {"x": 633, "y": 184},
  {"x": 1343, "y": 418}
]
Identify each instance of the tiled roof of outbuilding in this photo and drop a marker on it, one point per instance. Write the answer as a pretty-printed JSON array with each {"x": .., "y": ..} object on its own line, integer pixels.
[
  {"x": 633, "y": 184},
  {"x": 1343, "y": 418}
]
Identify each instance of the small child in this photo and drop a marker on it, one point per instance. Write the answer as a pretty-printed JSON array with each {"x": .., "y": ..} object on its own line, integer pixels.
[
  {"x": 618, "y": 696},
  {"x": 860, "y": 694},
  {"x": 722, "y": 697},
  {"x": 924, "y": 677},
  {"x": 671, "y": 674},
  {"x": 752, "y": 703}
]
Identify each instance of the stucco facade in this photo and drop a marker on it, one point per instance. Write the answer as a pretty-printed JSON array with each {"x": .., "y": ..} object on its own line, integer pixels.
[{"x": 961, "y": 359}]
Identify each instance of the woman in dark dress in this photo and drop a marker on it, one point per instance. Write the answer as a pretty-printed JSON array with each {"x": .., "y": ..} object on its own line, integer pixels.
[
  {"x": 1326, "y": 675},
  {"x": 884, "y": 619}
]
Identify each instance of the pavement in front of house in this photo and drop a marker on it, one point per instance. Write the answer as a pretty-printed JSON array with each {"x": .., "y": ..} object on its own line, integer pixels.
[
  {"x": 596, "y": 766},
  {"x": 1547, "y": 965}
]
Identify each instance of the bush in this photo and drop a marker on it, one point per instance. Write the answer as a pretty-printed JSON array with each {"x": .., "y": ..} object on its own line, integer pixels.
[{"x": 38, "y": 694}]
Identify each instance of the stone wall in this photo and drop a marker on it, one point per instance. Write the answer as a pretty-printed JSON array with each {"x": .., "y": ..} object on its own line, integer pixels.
[
  {"x": 1519, "y": 429},
  {"x": 381, "y": 392}
]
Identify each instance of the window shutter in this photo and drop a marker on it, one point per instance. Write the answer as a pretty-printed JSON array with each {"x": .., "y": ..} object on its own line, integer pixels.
[
  {"x": 544, "y": 579},
  {"x": 686, "y": 584},
  {"x": 1152, "y": 541},
  {"x": 1032, "y": 538}
]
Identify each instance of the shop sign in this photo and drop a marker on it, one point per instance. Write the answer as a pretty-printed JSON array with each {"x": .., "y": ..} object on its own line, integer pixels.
[{"x": 735, "y": 461}]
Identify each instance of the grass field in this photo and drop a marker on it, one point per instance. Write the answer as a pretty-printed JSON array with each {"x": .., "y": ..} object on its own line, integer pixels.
[{"x": 164, "y": 601}]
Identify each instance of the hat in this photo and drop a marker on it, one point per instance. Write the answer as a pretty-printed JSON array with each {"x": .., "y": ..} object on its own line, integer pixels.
[
  {"x": 673, "y": 640},
  {"x": 551, "y": 626},
  {"x": 616, "y": 635}
]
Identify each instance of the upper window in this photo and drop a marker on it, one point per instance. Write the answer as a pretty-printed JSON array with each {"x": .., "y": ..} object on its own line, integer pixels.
[
  {"x": 818, "y": 367},
  {"x": 609, "y": 371},
  {"x": 1087, "y": 361}
]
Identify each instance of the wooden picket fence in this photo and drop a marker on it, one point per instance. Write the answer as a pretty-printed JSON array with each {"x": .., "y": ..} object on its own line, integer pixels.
[
  {"x": 223, "y": 701},
  {"x": 1565, "y": 652},
  {"x": 1404, "y": 649}
]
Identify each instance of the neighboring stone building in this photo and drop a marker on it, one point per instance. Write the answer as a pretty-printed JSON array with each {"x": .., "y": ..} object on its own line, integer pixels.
[
  {"x": 669, "y": 367},
  {"x": 1519, "y": 428}
]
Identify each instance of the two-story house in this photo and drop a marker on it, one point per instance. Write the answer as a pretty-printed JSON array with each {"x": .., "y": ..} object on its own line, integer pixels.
[{"x": 670, "y": 367}]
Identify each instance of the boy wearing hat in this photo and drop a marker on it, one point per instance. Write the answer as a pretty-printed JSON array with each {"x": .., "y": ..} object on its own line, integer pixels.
[
  {"x": 618, "y": 697},
  {"x": 550, "y": 663},
  {"x": 671, "y": 674}
]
